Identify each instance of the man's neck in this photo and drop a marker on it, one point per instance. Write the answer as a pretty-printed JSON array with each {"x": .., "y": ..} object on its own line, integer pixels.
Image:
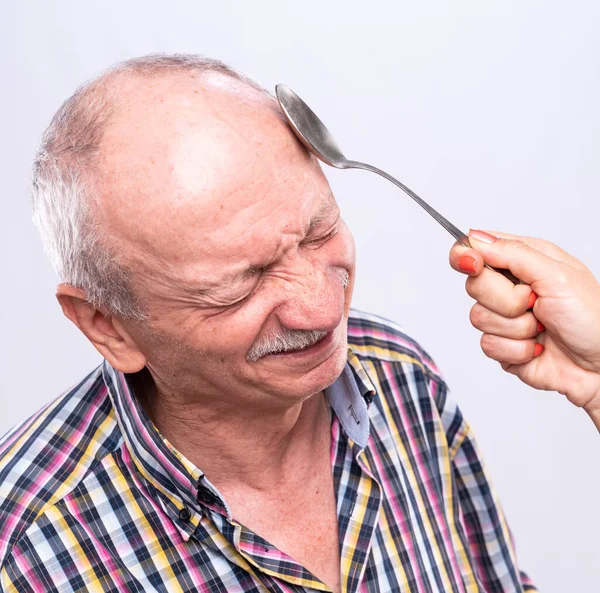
[{"x": 235, "y": 443}]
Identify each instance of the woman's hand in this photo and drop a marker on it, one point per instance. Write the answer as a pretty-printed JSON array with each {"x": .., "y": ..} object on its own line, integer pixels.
[{"x": 545, "y": 331}]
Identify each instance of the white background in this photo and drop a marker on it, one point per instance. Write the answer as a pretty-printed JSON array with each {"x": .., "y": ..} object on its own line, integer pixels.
[{"x": 489, "y": 110}]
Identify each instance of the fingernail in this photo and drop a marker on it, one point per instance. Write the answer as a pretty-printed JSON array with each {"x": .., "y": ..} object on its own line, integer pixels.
[
  {"x": 482, "y": 236},
  {"x": 537, "y": 350},
  {"x": 466, "y": 263},
  {"x": 540, "y": 327},
  {"x": 532, "y": 298}
]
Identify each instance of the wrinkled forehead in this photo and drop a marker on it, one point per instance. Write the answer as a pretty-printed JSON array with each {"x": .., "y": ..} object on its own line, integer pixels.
[{"x": 185, "y": 156}]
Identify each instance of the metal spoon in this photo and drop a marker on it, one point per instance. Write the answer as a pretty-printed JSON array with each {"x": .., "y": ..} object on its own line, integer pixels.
[{"x": 311, "y": 131}]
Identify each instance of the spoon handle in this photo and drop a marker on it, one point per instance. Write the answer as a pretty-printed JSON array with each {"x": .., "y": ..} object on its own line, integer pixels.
[{"x": 454, "y": 231}]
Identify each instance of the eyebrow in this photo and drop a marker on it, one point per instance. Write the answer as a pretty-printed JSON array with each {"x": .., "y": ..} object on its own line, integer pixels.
[{"x": 323, "y": 213}]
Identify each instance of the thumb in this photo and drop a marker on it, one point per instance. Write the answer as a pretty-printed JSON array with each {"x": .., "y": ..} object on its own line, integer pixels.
[{"x": 524, "y": 261}]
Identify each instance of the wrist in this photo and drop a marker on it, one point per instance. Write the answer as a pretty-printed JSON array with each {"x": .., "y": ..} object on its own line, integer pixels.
[{"x": 592, "y": 409}]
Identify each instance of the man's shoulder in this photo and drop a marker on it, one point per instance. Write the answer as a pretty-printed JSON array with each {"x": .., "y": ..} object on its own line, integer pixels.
[
  {"x": 47, "y": 456},
  {"x": 378, "y": 339}
]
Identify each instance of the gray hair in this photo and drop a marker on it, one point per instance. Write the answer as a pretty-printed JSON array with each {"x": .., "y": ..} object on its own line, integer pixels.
[{"x": 63, "y": 187}]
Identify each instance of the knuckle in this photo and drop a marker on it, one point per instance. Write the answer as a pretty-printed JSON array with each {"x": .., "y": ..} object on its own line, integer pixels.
[
  {"x": 514, "y": 309},
  {"x": 478, "y": 315},
  {"x": 471, "y": 286},
  {"x": 487, "y": 344},
  {"x": 517, "y": 245},
  {"x": 561, "y": 278}
]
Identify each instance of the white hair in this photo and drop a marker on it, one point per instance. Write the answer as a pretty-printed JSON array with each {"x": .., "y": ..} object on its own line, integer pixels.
[{"x": 65, "y": 176}]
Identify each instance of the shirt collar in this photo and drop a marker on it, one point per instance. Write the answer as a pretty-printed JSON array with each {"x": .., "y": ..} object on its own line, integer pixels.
[
  {"x": 180, "y": 485},
  {"x": 174, "y": 479},
  {"x": 350, "y": 396}
]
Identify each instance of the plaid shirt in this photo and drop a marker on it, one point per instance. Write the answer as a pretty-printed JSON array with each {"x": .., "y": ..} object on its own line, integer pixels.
[{"x": 92, "y": 498}]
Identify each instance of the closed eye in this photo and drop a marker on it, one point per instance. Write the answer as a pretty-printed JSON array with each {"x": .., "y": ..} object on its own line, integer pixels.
[
  {"x": 253, "y": 272},
  {"x": 321, "y": 240}
]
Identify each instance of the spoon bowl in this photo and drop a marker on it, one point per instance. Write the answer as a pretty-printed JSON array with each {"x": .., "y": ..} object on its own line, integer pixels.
[
  {"x": 315, "y": 136},
  {"x": 309, "y": 129}
]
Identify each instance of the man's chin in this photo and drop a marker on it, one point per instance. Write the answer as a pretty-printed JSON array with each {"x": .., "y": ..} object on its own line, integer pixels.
[{"x": 304, "y": 376}]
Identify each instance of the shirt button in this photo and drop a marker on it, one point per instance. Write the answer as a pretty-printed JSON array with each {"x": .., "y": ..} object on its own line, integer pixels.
[{"x": 184, "y": 514}]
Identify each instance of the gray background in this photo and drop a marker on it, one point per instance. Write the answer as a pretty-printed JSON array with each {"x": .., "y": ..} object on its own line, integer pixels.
[{"x": 488, "y": 109}]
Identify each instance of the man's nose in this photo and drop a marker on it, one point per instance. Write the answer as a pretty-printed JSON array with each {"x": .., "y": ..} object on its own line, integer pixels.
[{"x": 314, "y": 299}]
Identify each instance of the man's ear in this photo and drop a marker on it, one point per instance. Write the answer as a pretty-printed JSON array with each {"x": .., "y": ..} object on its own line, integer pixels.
[{"x": 105, "y": 332}]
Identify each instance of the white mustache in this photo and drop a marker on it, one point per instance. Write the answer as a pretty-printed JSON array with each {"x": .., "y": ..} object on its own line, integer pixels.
[
  {"x": 288, "y": 340},
  {"x": 285, "y": 341}
]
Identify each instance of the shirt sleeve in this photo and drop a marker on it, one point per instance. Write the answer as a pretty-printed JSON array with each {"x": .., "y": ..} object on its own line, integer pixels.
[{"x": 480, "y": 514}]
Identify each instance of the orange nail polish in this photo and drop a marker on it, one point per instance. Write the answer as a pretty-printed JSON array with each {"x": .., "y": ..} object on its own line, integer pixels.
[
  {"x": 538, "y": 349},
  {"x": 540, "y": 327},
  {"x": 532, "y": 298},
  {"x": 482, "y": 236},
  {"x": 466, "y": 263}
]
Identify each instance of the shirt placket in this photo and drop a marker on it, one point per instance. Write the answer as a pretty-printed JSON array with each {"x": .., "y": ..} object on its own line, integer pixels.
[
  {"x": 358, "y": 512},
  {"x": 273, "y": 568},
  {"x": 357, "y": 490}
]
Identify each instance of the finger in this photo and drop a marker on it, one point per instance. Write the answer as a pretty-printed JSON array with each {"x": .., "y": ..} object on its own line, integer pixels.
[
  {"x": 500, "y": 295},
  {"x": 465, "y": 260},
  {"x": 543, "y": 246},
  {"x": 524, "y": 261},
  {"x": 546, "y": 247},
  {"x": 507, "y": 351},
  {"x": 518, "y": 328}
]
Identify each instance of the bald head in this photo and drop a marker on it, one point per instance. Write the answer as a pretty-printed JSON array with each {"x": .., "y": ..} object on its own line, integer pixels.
[
  {"x": 183, "y": 154},
  {"x": 113, "y": 143}
]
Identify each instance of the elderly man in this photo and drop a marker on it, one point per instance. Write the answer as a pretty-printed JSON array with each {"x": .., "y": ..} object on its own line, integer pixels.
[{"x": 246, "y": 431}]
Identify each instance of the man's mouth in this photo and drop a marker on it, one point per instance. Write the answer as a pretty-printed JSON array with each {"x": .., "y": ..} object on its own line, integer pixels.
[
  {"x": 320, "y": 344},
  {"x": 307, "y": 347},
  {"x": 285, "y": 341}
]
